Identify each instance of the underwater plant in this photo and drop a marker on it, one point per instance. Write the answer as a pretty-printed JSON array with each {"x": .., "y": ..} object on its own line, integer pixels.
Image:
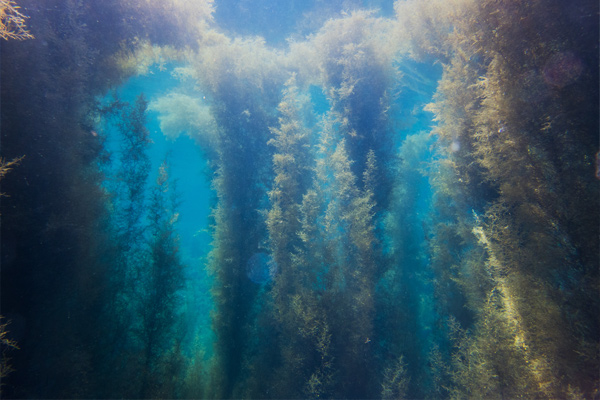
[
  {"x": 142, "y": 300},
  {"x": 404, "y": 204},
  {"x": 241, "y": 163},
  {"x": 183, "y": 114},
  {"x": 7, "y": 166},
  {"x": 12, "y": 22},
  {"x": 509, "y": 143},
  {"x": 358, "y": 76},
  {"x": 161, "y": 281},
  {"x": 7, "y": 344}
]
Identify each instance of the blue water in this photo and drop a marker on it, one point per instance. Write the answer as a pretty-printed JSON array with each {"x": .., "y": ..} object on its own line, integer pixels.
[
  {"x": 300, "y": 199},
  {"x": 186, "y": 161}
]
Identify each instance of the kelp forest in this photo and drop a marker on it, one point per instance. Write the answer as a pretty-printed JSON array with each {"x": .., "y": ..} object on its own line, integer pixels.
[{"x": 300, "y": 199}]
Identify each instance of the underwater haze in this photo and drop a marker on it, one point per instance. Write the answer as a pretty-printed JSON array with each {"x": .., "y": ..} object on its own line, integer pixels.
[{"x": 344, "y": 199}]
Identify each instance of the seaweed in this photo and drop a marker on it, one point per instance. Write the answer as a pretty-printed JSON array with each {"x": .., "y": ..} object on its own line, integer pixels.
[
  {"x": 12, "y": 22},
  {"x": 362, "y": 245},
  {"x": 511, "y": 147}
]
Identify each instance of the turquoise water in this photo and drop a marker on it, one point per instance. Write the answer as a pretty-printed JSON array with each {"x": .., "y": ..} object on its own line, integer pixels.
[{"x": 300, "y": 199}]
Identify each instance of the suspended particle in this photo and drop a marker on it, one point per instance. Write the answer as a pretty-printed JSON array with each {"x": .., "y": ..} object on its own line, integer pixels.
[{"x": 454, "y": 146}]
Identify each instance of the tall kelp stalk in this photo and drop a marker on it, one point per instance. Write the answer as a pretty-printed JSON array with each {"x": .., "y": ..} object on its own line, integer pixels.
[
  {"x": 514, "y": 122},
  {"x": 146, "y": 273},
  {"x": 291, "y": 293},
  {"x": 128, "y": 258},
  {"x": 324, "y": 297},
  {"x": 406, "y": 312},
  {"x": 325, "y": 291},
  {"x": 242, "y": 80},
  {"x": 355, "y": 58},
  {"x": 350, "y": 240},
  {"x": 358, "y": 57},
  {"x": 162, "y": 282},
  {"x": 356, "y": 69},
  {"x": 52, "y": 221},
  {"x": 55, "y": 232},
  {"x": 299, "y": 247}
]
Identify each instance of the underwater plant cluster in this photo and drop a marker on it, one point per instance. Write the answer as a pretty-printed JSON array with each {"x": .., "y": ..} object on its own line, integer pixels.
[{"x": 357, "y": 199}]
